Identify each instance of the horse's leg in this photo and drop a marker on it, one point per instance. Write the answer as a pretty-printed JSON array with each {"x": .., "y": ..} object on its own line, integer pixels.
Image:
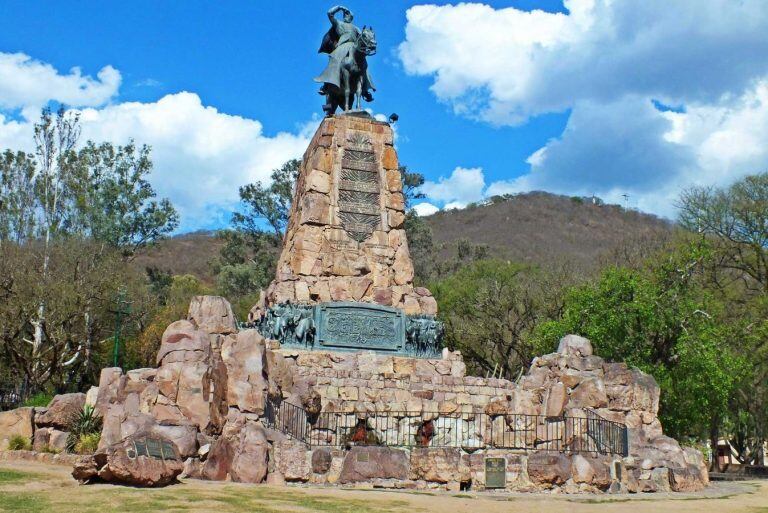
[
  {"x": 358, "y": 91},
  {"x": 345, "y": 83}
]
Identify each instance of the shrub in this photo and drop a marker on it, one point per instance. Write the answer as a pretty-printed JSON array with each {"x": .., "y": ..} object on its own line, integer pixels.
[
  {"x": 50, "y": 450},
  {"x": 87, "y": 422},
  {"x": 40, "y": 400},
  {"x": 19, "y": 443},
  {"x": 87, "y": 443}
]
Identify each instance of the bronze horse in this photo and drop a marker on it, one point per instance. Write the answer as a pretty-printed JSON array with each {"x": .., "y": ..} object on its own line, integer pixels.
[{"x": 352, "y": 82}]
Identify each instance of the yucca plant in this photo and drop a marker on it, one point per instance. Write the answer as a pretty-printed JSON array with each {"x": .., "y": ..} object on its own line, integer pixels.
[{"x": 87, "y": 422}]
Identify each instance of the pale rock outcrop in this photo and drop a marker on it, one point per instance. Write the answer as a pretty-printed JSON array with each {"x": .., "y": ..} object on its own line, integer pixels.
[
  {"x": 212, "y": 314},
  {"x": 18, "y": 422}
]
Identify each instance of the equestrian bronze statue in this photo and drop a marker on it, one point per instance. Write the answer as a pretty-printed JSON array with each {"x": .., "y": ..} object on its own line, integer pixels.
[{"x": 346, "y": 79}]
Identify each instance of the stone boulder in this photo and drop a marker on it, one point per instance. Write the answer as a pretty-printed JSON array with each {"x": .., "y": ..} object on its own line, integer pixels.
[
  {"x": 293, "y": 460},
  {"x": 119, "y": 463},
  {"x": 47, "y": 439},
  {"x": 18, "y": 422},
  {"x": 575, "y": 345},
  {"x": 240, "y": 452},
  {"x": 443, "y": 465},
  {"x": 546, "y": 468},
  {"x": 244, "y": 356},
  {"x": 591, "y": 470},
  {"x": 686, "y": 479},
  {"x": 590, "y": 393},
  {"x": 321, "y": 460},
  {"x": 182, "y": 341},
  {"x": 367, "y": 463},
  {"x": 62, "y": 411},
  {"x": 212, "y": 314}
]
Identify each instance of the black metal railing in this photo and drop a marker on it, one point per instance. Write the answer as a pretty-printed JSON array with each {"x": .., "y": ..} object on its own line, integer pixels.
[
  {"x": 470, "y": 431},
  {"x": 12, "y": 396}
]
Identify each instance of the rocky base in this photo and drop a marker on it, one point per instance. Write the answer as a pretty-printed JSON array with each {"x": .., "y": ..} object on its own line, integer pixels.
[{"x": 208, "y": 395}]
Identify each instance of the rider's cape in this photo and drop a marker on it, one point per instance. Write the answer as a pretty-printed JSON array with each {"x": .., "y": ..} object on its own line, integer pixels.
[{"x": 329, "y": 41}]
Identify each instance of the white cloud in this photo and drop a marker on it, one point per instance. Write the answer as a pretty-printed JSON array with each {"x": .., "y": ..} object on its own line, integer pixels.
[
  {"x": 465, "y": 185},
  {"x": 609, "y": 62},
  {"x": 29, "y": 84},
  {"x": 201, "y": 155},
  {"x": 505, "y": 65},
  {"x": 425, "y": 209},
  {"x": 629, "y": 147}
]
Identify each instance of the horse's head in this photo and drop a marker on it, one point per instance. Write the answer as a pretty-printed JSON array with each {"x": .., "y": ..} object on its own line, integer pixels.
[{"x": 367, "y": 41}]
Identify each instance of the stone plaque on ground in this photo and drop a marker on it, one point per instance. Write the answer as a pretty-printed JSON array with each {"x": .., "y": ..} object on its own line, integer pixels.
[{"x": 495, "y": 473}]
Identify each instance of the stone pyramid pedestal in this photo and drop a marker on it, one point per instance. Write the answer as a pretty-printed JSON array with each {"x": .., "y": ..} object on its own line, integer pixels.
[{"x": 346, "y": 240}]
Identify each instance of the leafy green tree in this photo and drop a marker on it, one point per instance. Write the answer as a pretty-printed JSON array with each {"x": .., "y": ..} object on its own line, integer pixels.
[
  {"x": 662, "y": 320},
  {"x": 113, "y": 202},
  {"x": 491, "y": 308},
  {"x": 412, "y": 183},
  {"x": 734, "y": 222},
  {"x": 68, "y": 220},
  {"x": 268, "y": 205},
  {"x": 17, "y": 197},
  {"x": 247, "y": 260}
]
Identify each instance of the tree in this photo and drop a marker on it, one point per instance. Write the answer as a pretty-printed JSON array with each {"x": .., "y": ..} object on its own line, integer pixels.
[
  {"x": 268, "y": 204},
  {"x": 737, "y": 218},
  {"x": 83, "y": 277},
  {"x": 734, "y": 222},
  {"x": 17, "y": 197},
  {"x": 491, "y": 308},
  {"x": 112, "y": 200},
  {"x": 412, "y": 182},
  {"x": 664, "y": 321},
  {"x": 64, "y": 216},
  {"x": 247, "y": 260}
]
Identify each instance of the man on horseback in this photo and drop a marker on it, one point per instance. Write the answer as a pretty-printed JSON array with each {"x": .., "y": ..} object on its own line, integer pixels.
[{"x": 341, "y": 43}]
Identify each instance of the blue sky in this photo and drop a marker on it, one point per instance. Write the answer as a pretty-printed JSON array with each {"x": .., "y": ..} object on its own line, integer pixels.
[{"x": 494, "y": 97}]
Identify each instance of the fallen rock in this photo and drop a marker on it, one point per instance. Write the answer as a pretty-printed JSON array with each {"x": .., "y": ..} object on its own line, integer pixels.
[
  {"x": 120, "y": 463},
  {"x": 49, "y": 439}
]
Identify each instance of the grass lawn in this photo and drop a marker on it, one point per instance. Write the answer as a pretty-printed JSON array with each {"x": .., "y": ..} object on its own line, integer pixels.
[
  {"x": 27, "y": 487},
  {"x": 34, "y": 492}
]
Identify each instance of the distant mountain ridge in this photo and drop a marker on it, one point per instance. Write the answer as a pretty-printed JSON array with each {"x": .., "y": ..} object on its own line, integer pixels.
[
  {"x": 534, "y": 228},
  {"x": 539, "y": 227}
]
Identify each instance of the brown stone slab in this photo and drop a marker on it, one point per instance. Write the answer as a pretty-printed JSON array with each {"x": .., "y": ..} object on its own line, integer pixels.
[
  {"x": 358, "y": 208},
  {"x": 358, "y": 186},
  {"x": 359, "y": 165}
]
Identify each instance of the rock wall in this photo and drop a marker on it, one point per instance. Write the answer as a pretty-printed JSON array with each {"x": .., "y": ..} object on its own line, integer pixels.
[{"x": 345, "y": 240}]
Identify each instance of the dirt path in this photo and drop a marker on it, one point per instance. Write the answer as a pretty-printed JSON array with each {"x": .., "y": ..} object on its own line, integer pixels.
[{"x": 32, "y": 487}]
